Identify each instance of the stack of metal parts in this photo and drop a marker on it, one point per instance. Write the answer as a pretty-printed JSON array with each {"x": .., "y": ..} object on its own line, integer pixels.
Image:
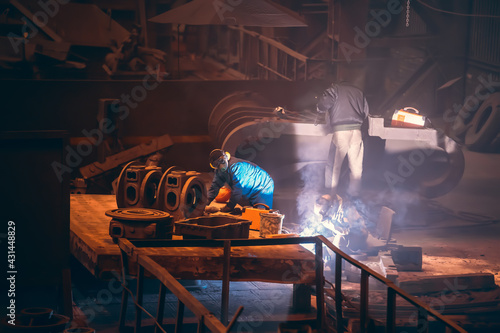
[
  {"x": 150, "y": 200},
  {"x": 182, "y": 194}
]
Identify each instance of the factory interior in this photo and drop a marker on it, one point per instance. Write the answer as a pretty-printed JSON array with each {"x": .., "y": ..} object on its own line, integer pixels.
[{"x": 122, "y": 119}]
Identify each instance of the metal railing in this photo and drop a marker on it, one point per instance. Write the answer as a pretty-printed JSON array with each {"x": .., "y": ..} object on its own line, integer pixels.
[
  {"x": 205, "y": 318},
  {"x": 272, "y": 57},
  {"x": 132, "y": 248},
  {"x": 424, "y": 311}
]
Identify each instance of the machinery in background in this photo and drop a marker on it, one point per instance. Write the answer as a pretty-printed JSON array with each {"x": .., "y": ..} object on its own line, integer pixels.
[
  {"x": 420, "y": 159},
  {"x": 478, "y": 126},
  {"x": 293, "y": 147}
]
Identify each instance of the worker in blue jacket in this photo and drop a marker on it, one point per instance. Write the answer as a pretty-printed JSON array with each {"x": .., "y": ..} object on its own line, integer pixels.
[{"x": 249, "y": 183}]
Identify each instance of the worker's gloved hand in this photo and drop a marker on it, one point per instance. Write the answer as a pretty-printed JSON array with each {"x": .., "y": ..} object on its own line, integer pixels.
[
  {"x": 280, "y": 112},
  {"x": 226, "y": 209},
  {"x": 211, "y": 209}
]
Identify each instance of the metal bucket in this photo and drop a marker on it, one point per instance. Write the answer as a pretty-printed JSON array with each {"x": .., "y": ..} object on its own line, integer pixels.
[{"x": 271, "y": 223}]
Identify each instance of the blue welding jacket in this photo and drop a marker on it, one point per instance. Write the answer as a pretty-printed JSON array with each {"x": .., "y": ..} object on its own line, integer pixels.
[{"x": 248, "y": 182}]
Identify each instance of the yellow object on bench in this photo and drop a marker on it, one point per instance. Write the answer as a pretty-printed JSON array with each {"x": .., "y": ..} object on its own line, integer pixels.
[{"x": 253, "y": 214}]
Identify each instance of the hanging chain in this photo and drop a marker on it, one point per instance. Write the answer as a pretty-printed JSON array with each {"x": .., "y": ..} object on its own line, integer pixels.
[{"x": 407, "y": 13}]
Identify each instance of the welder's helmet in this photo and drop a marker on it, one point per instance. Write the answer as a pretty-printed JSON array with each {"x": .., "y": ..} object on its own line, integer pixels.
[
  {"x": 216, "y": 157},
  {"x": 325, "y": 204}
]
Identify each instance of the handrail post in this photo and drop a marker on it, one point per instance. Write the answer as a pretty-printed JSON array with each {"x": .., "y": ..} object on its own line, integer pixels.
[
  {"x": 391, "y": 310},
  {"x": 225, "y": 282},
  {"x": 179, "y": 319},
  {"x": 320, "y": 283},
  {"x": 305, "y": 70},
  {"x": 123, "y": 306},
  {"x": 295, "y": 69},
  {"x": 338, "y": 292},
  {"x": 423, "y": 321},
  {"x": 364, "y": 301},
  {"x": 258, "y": 58},
  {"x": 139, "y": 297},
  {"x": 161, "y": 306}
]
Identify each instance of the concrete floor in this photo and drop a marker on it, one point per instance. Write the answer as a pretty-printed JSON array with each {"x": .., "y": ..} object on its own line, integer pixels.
[
  {"x": 451, "y": 244},
  {"x": 265, "y": 304}
]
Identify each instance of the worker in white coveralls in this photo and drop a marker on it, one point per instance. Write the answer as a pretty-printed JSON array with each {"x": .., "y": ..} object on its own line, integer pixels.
[{"x": 346, "y": 109}]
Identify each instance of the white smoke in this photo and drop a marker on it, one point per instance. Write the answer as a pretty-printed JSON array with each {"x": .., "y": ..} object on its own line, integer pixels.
[
  {"x": 408, "y": 206},
  {"x": 312, "y": 180}
]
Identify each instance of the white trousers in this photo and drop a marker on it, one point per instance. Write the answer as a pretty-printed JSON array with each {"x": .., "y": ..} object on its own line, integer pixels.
[{"x": 345, "y": 144}]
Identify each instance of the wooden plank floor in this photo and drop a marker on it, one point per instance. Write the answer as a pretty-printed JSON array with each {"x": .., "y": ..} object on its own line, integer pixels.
[{"x": 94, "y": 248}]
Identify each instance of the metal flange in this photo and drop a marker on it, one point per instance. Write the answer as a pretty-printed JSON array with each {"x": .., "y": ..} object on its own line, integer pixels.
[{"x": 138, "y": 214}]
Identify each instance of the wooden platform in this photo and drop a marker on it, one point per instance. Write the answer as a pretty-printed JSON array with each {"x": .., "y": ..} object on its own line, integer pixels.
[{"x": 91, "y": 244}]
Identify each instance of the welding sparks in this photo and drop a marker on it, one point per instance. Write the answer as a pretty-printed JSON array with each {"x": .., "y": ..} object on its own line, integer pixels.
[{"x": 337, "y": 219}]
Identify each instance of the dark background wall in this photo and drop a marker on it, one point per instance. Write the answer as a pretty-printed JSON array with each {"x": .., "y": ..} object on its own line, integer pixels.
[{"x": 177, "y": 108}]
